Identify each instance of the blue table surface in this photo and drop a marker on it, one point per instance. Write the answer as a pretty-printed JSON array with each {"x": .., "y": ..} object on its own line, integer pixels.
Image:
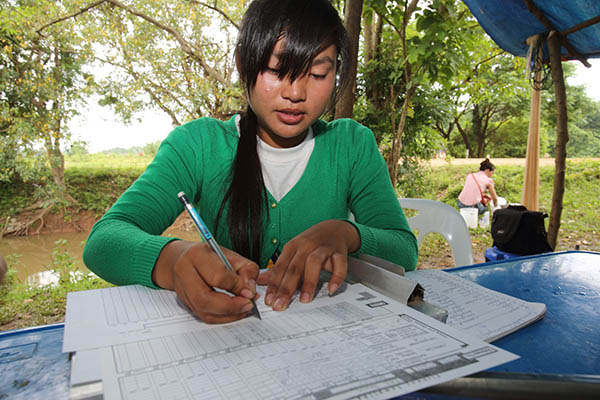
[
  {"x": 32, "y": 365},
  {"x": 565, "y": 341}
]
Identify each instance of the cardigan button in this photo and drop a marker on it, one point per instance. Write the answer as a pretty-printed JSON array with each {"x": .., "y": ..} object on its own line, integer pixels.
[
  {"x": 274, "y": 241},
  {"x": 273, "y": 205}
]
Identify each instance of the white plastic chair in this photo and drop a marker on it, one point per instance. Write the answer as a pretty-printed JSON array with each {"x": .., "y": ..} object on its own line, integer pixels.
[{"x": 438, "y": 217}]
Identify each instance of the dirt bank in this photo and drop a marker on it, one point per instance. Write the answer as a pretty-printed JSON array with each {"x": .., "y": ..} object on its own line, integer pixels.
[{"x": 75, "y": 221}]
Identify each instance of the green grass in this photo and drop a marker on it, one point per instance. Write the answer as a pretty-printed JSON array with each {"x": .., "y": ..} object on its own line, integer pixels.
[
  {"x": 580, "y": 219},
  {"x": 110, "y": 162}
]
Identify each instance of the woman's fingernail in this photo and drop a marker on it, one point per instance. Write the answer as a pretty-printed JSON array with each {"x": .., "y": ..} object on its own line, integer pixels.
[
  {"x": 247, "y": 307},
  {"x": 252, "y": 285},
  {"x": 305, "y": 297},
  {"x": 247, "y": 293},
  {"x": 333, "y": 288},
  {"x": 269, "y": 299},
  {"x": 279, "y": 305}
]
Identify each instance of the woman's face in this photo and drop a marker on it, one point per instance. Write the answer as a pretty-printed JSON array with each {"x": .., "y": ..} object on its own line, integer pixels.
[{"x": 286, "y": 109}]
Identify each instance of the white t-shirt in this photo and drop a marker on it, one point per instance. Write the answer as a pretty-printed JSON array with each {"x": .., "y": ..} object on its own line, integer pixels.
[{"x": 282, "y": 168}]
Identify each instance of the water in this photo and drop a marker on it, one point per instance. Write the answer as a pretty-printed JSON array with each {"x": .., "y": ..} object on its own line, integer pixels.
[{"x": 32, "y": 255}]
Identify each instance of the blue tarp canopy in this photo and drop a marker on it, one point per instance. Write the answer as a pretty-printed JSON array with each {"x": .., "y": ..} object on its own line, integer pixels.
[{"x": 510, "y": 22}]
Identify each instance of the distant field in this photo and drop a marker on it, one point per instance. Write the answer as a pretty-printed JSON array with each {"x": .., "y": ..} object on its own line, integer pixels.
[
  {"x": 544, "y": 162},
  {"x": 107, "y": 161},
  {"x": 102, "y": 161}
]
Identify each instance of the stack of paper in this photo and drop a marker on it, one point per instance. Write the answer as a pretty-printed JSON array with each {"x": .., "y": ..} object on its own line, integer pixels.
[
  {"x": 132, "y": 342},
  {"x": 482, "y": 312}
]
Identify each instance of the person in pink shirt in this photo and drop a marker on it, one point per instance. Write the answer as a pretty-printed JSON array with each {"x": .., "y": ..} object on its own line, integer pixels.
[{"x": 476, "y": 184}]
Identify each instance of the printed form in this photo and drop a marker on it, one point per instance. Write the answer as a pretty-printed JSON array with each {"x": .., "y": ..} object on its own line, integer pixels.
[
  {"x": 482, "y": 312},
  {"x": 356, "y": 343}
]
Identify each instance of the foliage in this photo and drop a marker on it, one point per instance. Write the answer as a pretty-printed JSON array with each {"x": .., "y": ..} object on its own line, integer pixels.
[
  {"x": 418, "y": 48},
  {"x": 166, "y": 55},
  {"x": 77, "y": 148},
  {"x": 151, "y": 148},
  {"x": 584, "y": 120},
  {"x": 94, "y": 180},
  {"x": 472, "y": 94},
  {"x": 429, "y": 78},
  {"x": 19, "y": 162},
  {"x": 107, "y": 183},
  {"x": 42, "y": 84},
  {"x": 412, "y": 178},
  {"x": 488, "y": 92}
]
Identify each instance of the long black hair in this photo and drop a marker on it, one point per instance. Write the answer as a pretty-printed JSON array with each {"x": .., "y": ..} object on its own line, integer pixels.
[{"x": 308, "y": 27}]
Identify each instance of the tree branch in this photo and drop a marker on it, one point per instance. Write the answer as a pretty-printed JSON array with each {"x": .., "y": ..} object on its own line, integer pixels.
[
  {"x": 178, "y": 37},
  {"x": 214, "y": 8},
  {"x": 137, "y": 77},
  {"x": 479, "y": 64},
  {"x": 185, "y": 46},
  {"x": 66, "y": 17}
]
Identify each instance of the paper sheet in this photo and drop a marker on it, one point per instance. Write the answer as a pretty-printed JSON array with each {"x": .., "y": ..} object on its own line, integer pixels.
[
  {"x": 125, "y": 314},
  {"x": 356, "y": 343},
  {"x": 484, "y": 313}
]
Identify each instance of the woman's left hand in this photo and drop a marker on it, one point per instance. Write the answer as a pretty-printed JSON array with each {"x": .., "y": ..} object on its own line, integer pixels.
[{"x": 323, "y": 246}]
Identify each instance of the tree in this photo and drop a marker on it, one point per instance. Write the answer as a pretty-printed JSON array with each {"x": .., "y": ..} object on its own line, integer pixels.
[
  {"x": 78, "y": 148},
  {"x": 151, "y": 148},
  {"x": 164, "y": 55},
  {"x": 410, "y": 47},
  {"x": 352, "y": 18},
  {"x": 486, "y": 91},
  {"x": 42, "y": 85},
  {"x": 43, "y": 82},
  {"x": 584, "y": 120}
]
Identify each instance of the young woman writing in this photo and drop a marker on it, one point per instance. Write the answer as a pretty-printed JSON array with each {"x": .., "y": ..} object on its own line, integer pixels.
[{"x": 274, "y": 178}]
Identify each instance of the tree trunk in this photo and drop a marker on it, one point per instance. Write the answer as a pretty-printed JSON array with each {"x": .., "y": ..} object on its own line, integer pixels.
[
  {"x": 55, "y": 156},
  {"x": 394, "y": 156},
  {"x": 373, "y": 29},
  {"x": 57, "y": 164},
  {"x": 368, "y": 33},
  {"x": 477, "y": 134},
  {"x": 352, "y": 17},
  {"x": 396, "y": 146},
  {"x": 562, "y": 137},
  {"x": 463, "y": 135}
]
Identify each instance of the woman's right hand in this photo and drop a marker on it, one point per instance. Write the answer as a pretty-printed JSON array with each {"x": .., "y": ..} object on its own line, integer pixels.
[{"x": 193, "y": 269}]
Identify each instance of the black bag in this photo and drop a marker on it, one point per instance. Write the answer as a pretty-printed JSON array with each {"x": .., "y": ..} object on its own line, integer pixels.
[{"x": 520, "y": 231}]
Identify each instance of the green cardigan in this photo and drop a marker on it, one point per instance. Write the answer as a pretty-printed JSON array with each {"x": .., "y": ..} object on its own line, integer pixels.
[{"x": 345, "y": 173}]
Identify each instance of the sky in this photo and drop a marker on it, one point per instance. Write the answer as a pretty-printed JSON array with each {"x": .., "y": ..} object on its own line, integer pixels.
[
  {"x": 588, "y": 77},
  {"x": 102, "y": 130}
]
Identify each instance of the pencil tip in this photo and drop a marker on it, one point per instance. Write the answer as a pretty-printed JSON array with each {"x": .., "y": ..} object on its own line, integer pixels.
[{"x": 255, "y": 310}]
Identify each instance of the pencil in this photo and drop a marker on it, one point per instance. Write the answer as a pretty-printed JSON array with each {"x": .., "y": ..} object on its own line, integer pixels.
[{"x": 208, "y": 237}]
